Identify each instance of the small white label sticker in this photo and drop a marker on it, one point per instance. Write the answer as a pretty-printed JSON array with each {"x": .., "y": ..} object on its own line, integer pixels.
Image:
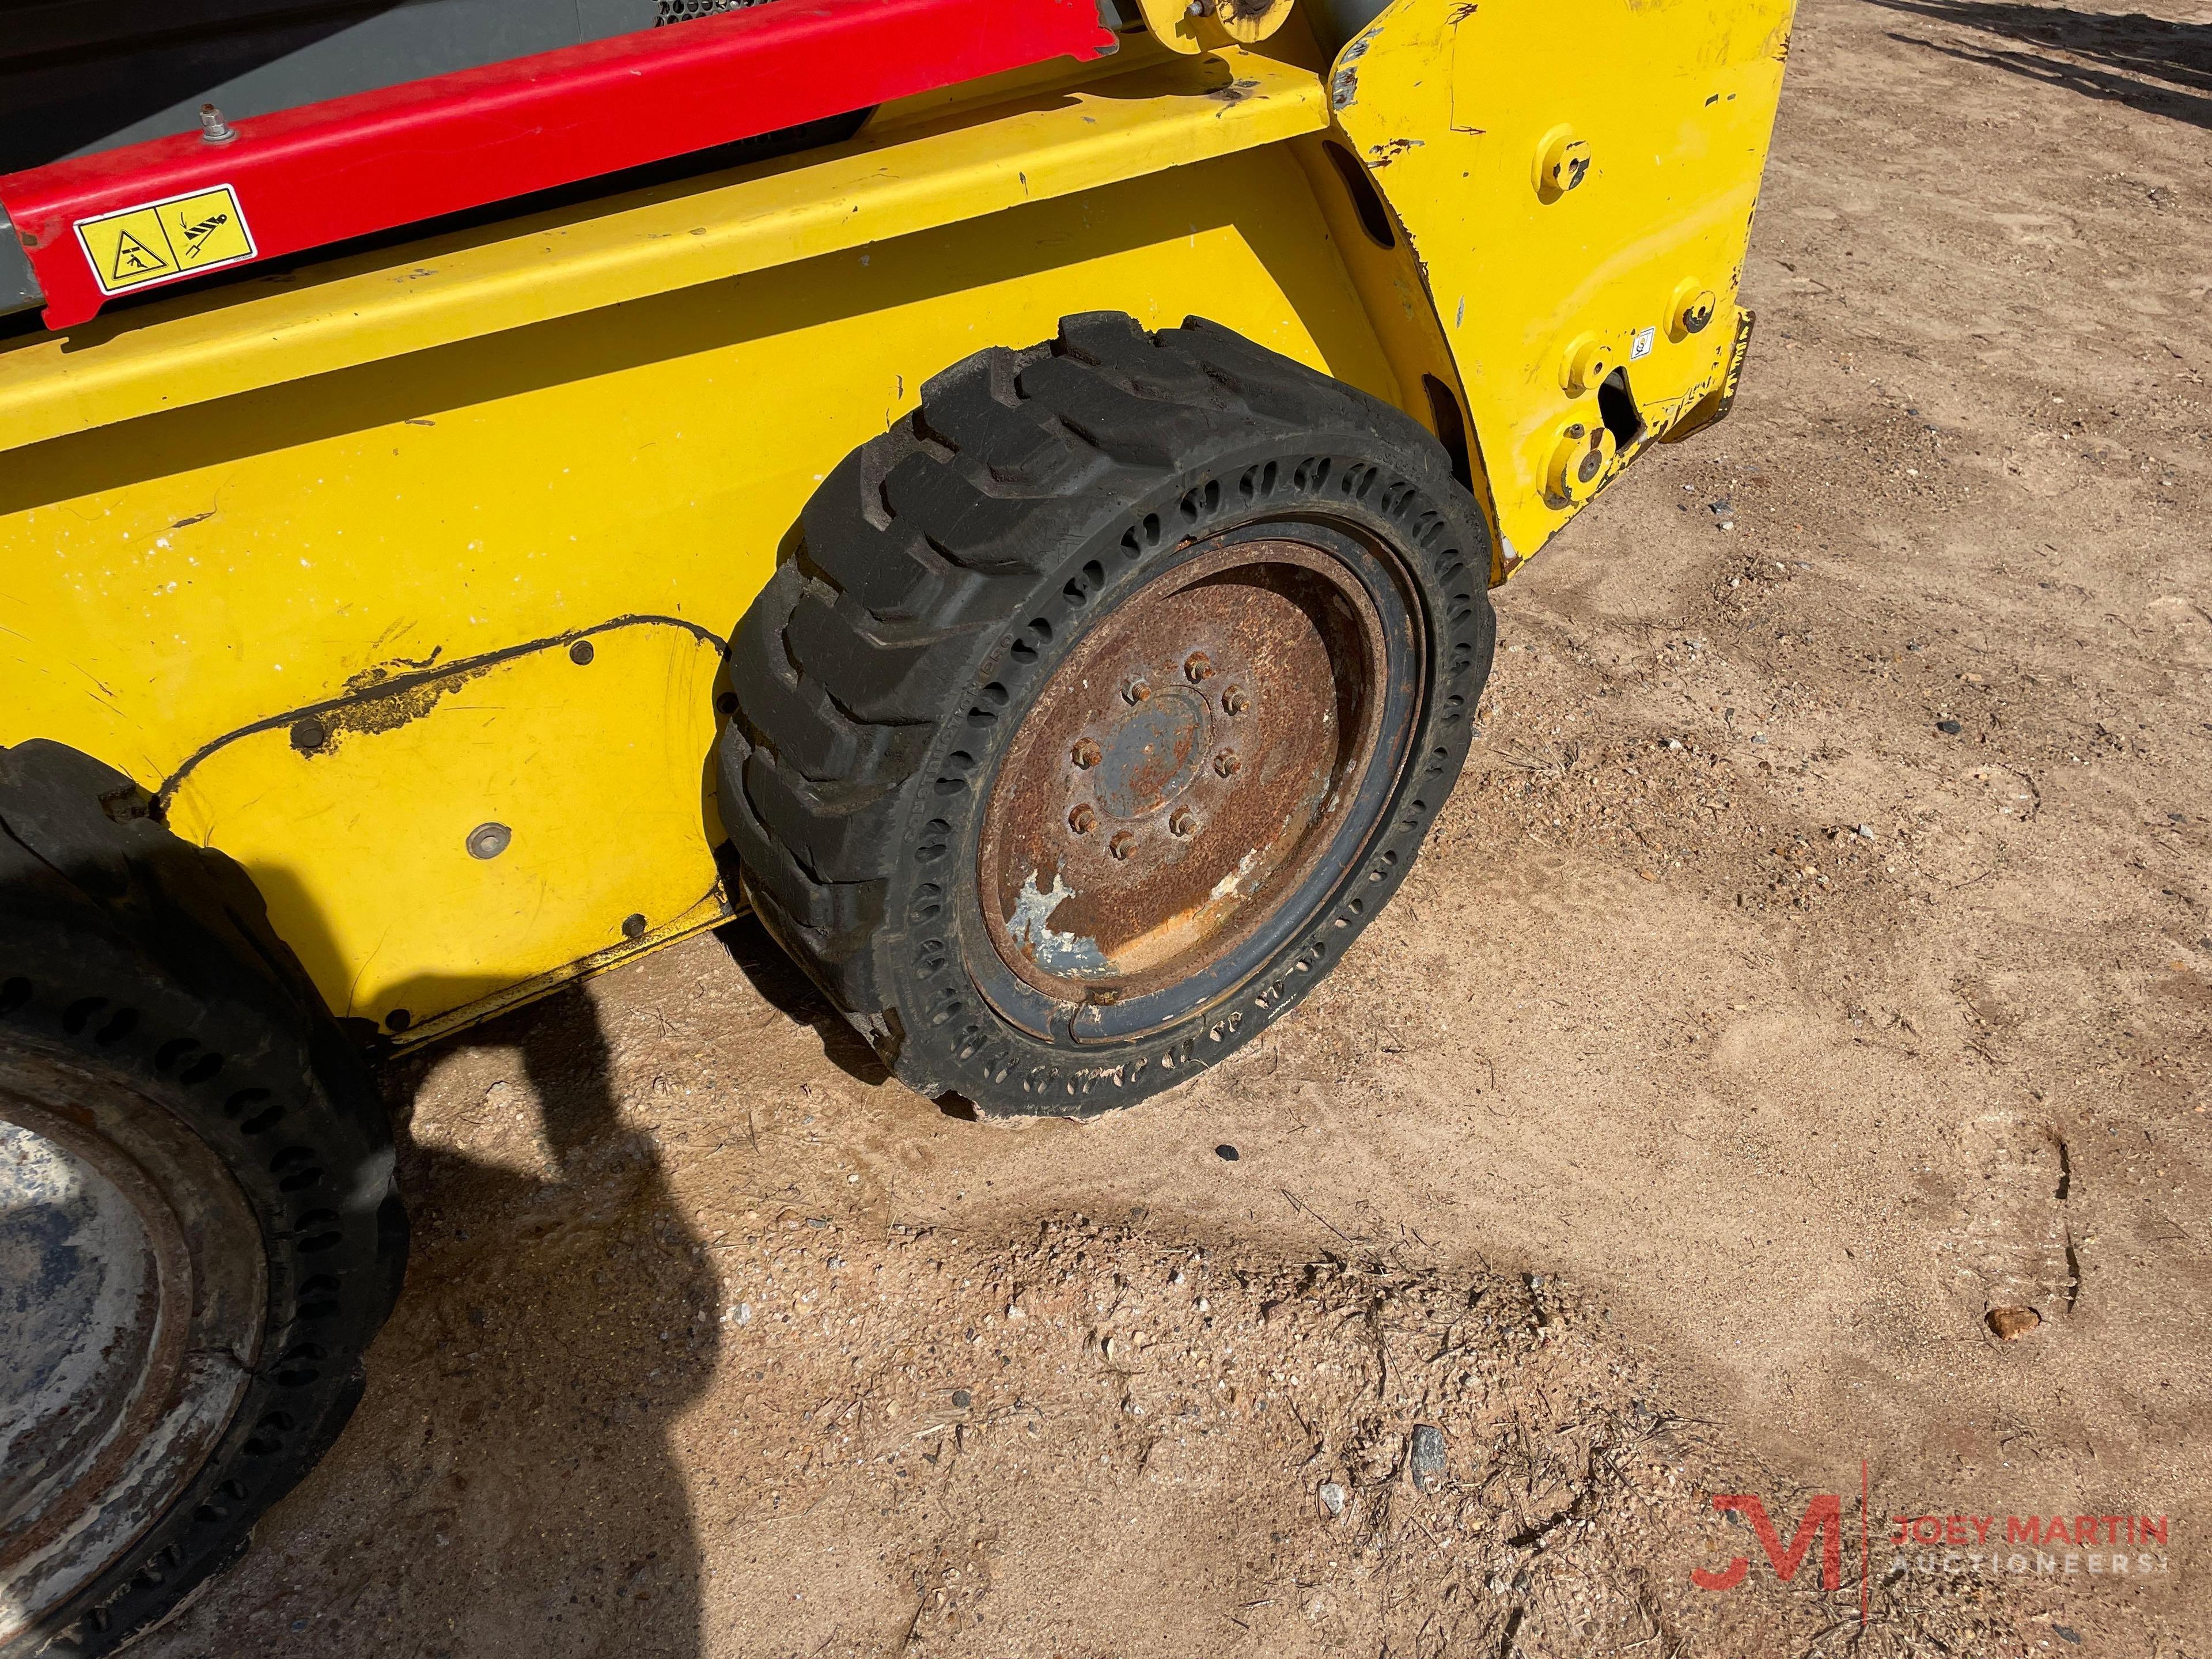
[{"x": 1641, "y": 345}]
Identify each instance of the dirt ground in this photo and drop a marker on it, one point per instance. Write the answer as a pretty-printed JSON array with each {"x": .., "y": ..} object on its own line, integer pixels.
[{"x": 1816, "y": 960}]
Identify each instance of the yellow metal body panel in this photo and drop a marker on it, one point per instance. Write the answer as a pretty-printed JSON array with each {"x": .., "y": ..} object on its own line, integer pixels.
[
  {"x": 1196, "y": 26},
  {"x": 1456, "y": 109},
  {"x": 575, "y": 765},
  {"x": 308, "y": 556}
]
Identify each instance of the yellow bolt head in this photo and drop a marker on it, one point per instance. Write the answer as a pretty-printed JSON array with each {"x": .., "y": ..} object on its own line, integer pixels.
[
  {"x": 1581, "y": 462},
  {"x": 1691, "y": 310},
  {"x": 1563, "y": 161},
  {"x": 1585, "y": 363}
]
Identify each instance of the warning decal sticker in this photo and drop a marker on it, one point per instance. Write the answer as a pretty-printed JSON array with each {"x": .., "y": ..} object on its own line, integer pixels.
[{"x": 180, "y": 237}]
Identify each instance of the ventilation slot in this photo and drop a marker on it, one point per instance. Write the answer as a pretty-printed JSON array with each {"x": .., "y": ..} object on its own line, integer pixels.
[{"x": 1366, "y": 200}]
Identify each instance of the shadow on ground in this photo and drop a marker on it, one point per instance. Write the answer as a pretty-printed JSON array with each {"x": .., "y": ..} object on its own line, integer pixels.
[
  {"x": 558, "y": 1321},
  {"x": 2148, "y": 63},
  {"x": 508, "y": 1486},
  {"x": 784, "y": 985}
]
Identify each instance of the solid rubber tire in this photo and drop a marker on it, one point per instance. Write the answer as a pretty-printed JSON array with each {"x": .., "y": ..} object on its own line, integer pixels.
[{"x": 945, "y": 568}]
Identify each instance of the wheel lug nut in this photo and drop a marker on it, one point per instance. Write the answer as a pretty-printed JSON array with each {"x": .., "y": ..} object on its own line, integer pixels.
[
  {"x": 1086, "y": 754},
  {"x": 1182, "y": 822},
  {"x": 1136, "y": 690},
  {"x": 1234, "y": 701},
  {"x": 1081, "y": 820},
  {"x": 1226, "y": 764},
  {"x": 1123, "y": 845},
  {"x": 1198, "y": 666}
]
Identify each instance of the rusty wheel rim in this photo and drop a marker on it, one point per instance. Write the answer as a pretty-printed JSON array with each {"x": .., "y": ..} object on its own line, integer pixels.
[
  {"x": 117, "y": 1382},
  {"x": 1187, "y": 768}
]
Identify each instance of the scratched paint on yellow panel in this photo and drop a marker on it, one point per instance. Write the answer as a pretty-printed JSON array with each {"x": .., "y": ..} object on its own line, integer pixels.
[
  {"x": 1454, "y": 113},
  {"x": 423, "y": 850}
]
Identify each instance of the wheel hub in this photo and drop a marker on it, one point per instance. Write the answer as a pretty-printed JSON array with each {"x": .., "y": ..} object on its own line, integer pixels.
[
  {"x": 1181, "y": 769},
  {"x": 1151, "y": 755}
]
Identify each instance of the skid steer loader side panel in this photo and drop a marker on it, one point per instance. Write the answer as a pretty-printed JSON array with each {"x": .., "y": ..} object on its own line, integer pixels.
[
  {"x": 400, "y": 577},
  {"x": 1577, "y": 178},
  {"x": 500, "y": 816},
  {"x": 330, "y": 619}
]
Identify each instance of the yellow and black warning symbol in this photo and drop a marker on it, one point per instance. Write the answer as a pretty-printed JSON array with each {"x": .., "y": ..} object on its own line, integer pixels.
[{"x": 180, "y": 237}]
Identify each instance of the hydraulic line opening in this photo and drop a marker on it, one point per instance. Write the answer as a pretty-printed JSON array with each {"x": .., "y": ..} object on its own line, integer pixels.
[{"x": 1616, "y": 407}]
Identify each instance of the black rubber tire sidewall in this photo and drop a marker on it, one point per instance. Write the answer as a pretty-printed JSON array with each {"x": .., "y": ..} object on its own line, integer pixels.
[
  {"x": 126, "y": 916},
  {"x": 944, "y": 569},
  {"x": 951, "y": 1038}
]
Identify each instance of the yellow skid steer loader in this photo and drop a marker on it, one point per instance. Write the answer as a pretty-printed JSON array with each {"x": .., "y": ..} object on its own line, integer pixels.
[{"x": 1010, "y": 494}]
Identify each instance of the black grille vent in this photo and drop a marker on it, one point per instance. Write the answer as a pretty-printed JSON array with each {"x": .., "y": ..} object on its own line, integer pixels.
[{"x": 682, "y": 11}]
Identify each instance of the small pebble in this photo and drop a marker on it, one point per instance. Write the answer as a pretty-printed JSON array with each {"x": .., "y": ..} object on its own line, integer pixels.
[
  {"x": 1226, "y": 1153},
  {"x": 1949, "y": 728},
  {"x": 962, "y": 1399},
  {"x": 1331, "y": 1496},
  {"x": 1427, "y": 1460}
]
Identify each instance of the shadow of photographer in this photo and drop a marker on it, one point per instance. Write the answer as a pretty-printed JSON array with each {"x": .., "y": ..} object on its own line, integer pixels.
[{"x": 509, "y": 1485}]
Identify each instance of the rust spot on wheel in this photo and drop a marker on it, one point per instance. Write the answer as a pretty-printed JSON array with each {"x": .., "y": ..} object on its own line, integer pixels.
[{"x": 1273, "y": 642}]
